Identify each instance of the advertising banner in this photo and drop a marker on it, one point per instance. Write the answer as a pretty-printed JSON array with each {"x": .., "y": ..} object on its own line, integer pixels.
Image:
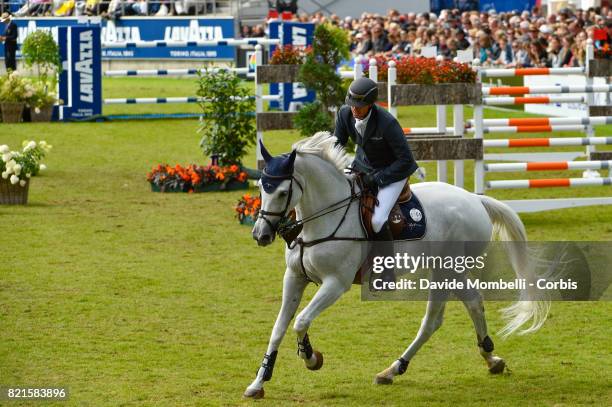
[
  {"x": 135, "y": 29},
  {"x": 81, "y": 76}
]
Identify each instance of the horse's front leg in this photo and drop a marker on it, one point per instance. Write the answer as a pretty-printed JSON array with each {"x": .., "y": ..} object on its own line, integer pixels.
[
  {"x": 293, "y": 288},
  {"x": 331, "y": 289}
]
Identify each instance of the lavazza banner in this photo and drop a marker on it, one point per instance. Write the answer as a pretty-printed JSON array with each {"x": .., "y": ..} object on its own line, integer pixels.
[{"x": 135, "y": 29}]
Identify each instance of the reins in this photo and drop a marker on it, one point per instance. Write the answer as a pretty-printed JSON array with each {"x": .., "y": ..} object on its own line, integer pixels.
[{"x": 286, "y": 228}]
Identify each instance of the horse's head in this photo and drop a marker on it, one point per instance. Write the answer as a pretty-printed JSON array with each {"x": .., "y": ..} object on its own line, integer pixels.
[{"x": 280, "y": 192}]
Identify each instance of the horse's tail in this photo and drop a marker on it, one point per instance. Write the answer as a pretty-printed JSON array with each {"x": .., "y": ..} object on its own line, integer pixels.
[{"x": 531, "y": 305}]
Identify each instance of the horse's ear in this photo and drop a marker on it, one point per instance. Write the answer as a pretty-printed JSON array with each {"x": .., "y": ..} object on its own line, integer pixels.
[
  {"x": 266, "y": 155},
  {"x": 291, "y": 159}
]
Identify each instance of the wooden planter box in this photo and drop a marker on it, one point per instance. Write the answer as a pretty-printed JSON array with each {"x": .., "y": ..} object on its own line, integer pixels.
[
  {"x": 277, "y": 73},
  {"x": 247, "y": 220},
  {"x": 230, "y": 186},
  {"x": 600, "y": 68},
  {"x": 13, "y": 194},
  {"x": 440, "y": 94},
  {"x": 44, "y": 114},
  {"x": 12, "y": 112}
]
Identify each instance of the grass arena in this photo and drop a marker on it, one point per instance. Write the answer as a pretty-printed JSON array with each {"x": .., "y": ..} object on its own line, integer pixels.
[{"x": 134, "y": 298}]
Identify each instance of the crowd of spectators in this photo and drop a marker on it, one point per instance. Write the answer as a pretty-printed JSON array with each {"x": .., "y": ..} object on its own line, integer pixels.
[
  {"x": 109, "y": 8},
  {"x": 513, "y": 39}
]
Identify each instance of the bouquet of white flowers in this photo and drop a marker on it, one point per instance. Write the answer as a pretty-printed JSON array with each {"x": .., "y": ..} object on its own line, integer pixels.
[{"x": 17, "y": 166}]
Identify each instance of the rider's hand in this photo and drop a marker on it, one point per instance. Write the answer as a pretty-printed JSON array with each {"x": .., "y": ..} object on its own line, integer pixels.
[{"x": 370, "y": 180}]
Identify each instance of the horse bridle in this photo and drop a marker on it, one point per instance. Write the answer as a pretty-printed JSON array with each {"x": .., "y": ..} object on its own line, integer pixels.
[{"x": 283, "y": 218}]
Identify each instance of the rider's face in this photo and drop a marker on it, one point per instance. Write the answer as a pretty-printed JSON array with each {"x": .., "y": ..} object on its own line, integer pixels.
[{"x": 360, "y": 112}]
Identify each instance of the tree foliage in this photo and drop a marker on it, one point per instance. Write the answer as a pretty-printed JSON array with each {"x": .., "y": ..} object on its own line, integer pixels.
[
  {"x": 40, "y": 50},
  {"x": 330, "y": 46}
]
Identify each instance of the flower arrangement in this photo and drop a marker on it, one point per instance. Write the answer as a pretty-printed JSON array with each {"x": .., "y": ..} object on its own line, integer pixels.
[
  {"x": 247, "y": 209},
  {"x": 288, "y": 55},
  {"x": 424, "y": 71},
  {"x": 194, "y": 178},
  {"x": 604, "y": 52},
  {"x": 43, "y": 95},
  {"x": 18, "y": 167},
  {"x": 14, "y": 88}
]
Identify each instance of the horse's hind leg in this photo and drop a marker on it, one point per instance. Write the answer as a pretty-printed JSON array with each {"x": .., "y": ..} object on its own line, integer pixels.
[
  {"x": 331, "y": 290},
  {"x": 293, "y": 288},
  {"x": 473, "y": 303},
  {"x": 431, "y": 322}
]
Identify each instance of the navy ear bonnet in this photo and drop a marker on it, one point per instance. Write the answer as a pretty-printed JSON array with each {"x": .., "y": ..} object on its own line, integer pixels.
[{"x": 277, "y": 170}]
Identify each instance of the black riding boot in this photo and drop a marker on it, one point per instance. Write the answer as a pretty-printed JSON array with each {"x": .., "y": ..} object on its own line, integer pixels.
[{"x": 382, "y": 249}]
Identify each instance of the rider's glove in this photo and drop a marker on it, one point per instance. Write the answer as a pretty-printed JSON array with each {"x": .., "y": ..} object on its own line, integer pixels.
[{"x": 370, "y": 180}]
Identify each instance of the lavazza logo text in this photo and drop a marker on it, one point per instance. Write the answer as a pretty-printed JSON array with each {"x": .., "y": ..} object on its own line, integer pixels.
[
  {"x": 84, "y": 66},
  {"x": 194, "y": 32}
]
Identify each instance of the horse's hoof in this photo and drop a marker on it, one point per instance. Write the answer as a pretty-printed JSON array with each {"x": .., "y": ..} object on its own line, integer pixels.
[
  {"x": 384, "y": 377},
  {"x": 382, "y": 380},
  {"x": 254, "y": 393},
  {"x": 497, "y": 366},
  {"x": 319, "y": 363}
]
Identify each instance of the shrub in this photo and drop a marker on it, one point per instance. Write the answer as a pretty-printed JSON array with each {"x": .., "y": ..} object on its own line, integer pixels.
[
  {"x": 228, "y": 124},
  {"x": 330, "y": 46}
]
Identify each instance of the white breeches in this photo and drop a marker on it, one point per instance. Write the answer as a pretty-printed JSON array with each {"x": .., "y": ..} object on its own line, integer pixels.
[{"x": 387, "y": 196}]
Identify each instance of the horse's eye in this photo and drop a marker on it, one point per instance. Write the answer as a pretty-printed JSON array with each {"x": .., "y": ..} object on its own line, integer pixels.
[{"x": 283, "y": 193}]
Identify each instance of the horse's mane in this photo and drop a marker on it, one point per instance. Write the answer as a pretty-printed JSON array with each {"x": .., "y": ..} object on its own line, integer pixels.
[{"x": 323, "y": 145}]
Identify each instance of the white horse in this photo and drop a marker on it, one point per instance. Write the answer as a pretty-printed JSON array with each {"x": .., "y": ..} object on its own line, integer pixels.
[{"x": 313, "y": 181}]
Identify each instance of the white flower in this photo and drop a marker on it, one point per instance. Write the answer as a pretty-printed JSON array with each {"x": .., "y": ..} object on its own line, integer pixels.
[
  {"x": 5, "y": 175},
  {"x": 42, "y": 167},
  {"x": 6, "y": 157},
  {"x": 14, "y": 179},
  {"x": 37, "y": 110},
  {"x": 4, "y": 149},
  {"x": 17, "y": 169},
  {"x": 30, "y": 146},
  {"x": 10, "y": 164},
  {"x": 28, "y": 175},
  {"x": 22, "y": 183},
  {"x": 42, "y": 143}
]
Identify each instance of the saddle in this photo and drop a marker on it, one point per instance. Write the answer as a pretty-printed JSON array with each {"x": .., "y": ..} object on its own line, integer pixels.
[
  {"x": 406, "y": 220},
  {"x": 397, "y": 220}
]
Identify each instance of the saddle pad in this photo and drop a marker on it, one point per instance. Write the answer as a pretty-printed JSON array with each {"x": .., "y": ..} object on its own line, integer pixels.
[{"x": 416, "y": 223}]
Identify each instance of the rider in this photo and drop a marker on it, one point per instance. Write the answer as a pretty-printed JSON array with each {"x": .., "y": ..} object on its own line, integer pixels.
[{"x": 383, "y": 154}]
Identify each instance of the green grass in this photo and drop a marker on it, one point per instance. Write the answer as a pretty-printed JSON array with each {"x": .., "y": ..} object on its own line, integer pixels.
[{"x": 136, "y": 298}]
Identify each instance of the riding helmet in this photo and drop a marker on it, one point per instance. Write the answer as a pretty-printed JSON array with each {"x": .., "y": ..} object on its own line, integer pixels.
[{"x": 362, "y": 92}]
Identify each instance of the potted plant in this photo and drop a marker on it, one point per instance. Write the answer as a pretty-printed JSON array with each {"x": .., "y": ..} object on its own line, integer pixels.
[
  {"x": 247, "y": 209},
  {"x": 425, "y": 81},
  {"x": 17, "y": 168},
  {"x": 284, "y": 65},
  {"x": 40, "y": 51},
  {"x": 227, "y": 125},
  {"x": 14, "y": 91},
  {"x": 42, "y": 100},
  {"x": 195, "y": 178},
  {"x": 602, "y": 64}
]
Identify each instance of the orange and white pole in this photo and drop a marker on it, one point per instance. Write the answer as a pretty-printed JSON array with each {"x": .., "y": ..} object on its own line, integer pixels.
[
  {"x": 548, "y": 142},
  {"x": 506, "y": 73},
  {"x": 548, "y": 166},
  {"x": 519, "y": 100},
  {"x": 538, "y": 90},
  {"x": 549, "y": 183},
  {"x": 546, "y": 121}
]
